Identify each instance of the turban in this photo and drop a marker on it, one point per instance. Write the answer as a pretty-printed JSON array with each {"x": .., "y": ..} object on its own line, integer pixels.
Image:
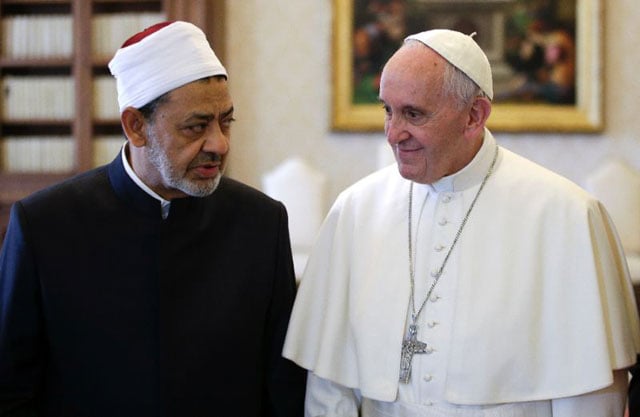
[
  {"x": 462, "y": 52},
  {"x": 159, "y": 59}
]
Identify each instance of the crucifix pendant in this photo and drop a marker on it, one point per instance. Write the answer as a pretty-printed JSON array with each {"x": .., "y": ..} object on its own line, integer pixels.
[{"x": 410, "y": 346}]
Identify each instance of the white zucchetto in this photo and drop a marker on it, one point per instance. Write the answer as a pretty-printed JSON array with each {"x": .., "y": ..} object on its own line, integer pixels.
[{"x": 462, "y": 52}]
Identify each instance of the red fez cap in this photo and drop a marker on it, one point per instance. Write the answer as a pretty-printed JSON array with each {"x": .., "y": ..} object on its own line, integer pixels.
[{"x": 143, "y": 34}]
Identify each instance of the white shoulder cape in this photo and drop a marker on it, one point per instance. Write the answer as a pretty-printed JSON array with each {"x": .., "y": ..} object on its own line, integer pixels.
[{"x": 545, "y": 307}]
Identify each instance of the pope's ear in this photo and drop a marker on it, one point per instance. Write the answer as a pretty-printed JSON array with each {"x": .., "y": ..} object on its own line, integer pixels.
[
  {"x": 478, "y": 115},
  {"x": 134, "y": 126}
]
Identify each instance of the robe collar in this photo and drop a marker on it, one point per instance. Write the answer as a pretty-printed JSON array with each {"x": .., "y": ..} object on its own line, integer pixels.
[
  {"x": 472, "y": 174},
  {"x": 126, "y": 188}
]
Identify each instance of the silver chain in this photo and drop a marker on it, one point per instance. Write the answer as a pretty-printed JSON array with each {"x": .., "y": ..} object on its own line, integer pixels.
[{"x": 414, "y": 314}]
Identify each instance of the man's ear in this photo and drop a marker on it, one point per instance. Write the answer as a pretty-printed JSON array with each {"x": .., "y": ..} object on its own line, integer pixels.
[
  {"x": 478, "y": 115},
  {"x": 134, "y": 126}
]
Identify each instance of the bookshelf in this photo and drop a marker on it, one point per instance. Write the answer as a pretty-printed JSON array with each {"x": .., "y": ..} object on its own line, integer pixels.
[{"x": 58, "y": 108}]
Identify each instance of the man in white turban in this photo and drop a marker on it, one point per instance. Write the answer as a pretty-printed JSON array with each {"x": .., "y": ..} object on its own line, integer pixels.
[
  {"x": 464, "y": 280},
  {"x": 154, "y": 285}
]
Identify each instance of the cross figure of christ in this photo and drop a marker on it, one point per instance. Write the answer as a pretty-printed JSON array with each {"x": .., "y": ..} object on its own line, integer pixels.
[{"x": 410, "y": 346}]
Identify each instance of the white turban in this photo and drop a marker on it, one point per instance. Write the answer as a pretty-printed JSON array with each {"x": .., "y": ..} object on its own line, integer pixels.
[
  {"x": 160, "y": 59},
  {"x": 462, "y": 52}
]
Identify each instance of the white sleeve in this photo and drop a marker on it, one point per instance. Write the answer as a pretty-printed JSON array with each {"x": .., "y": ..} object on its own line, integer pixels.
[
  {"x": 607, "y": 402},
  {"x": 325, "y": 398}
]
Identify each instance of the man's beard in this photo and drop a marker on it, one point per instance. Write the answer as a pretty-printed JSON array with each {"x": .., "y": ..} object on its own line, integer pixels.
[{"x": 178, "y": 180}]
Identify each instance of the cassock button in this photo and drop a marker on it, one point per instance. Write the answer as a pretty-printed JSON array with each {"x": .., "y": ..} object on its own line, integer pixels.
[
  {"x": 443, "y": 221},
  {"x": 428, "y": 378},
  {"x": 434, "y": 273},
  {"x": 439, "y": 248},
  {"x": 446, "y": 198},
  {"x": 432, "y": 324},
  {"x": 429, "y": 350},
  {"x": 434, "y": 298}
]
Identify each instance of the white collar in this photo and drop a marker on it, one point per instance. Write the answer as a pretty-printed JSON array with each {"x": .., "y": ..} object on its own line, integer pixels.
[
  {"x": 164, "y": 204},
  {"x": 473, "y": 173}
]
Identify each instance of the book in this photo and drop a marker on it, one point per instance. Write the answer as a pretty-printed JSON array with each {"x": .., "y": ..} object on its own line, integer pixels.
[
  {"x": 37, "y": 154},
  {"x": 105, "y": 98},
  {"x": 110, "y": 30},
  {"x": 37, "y": 97},
  {"x": 106, "y": 148},
  {"x": 37, "y": 36}
]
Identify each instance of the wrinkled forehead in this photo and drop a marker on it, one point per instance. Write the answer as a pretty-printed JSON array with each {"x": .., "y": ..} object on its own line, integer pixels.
[{"x": 414, "y": 63}]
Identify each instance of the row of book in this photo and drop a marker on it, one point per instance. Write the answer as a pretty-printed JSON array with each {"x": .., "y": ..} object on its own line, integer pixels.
[
  {"x": 38, "y": 154},
  {"x": 105, "y": 98},
  {"x": 37, "y": 36},
  {"x": 105, "y": 148},
  {"x": 51, "y": 36},
  {"x": 41, "y": 97},
  {"x": 51, "y": 154},
  {"x": 109, "y": 31},
  {"x": 52, "y": 98}
]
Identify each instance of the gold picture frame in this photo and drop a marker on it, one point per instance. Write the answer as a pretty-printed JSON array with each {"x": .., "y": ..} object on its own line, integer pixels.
[{"x": 583, "y": 114}]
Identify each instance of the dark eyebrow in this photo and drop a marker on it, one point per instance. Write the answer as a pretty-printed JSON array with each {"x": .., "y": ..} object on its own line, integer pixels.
[
  {"x": 209, "y": 116},
  {"x": 227, "y": 113},
  {"x": 200, "y": 116}
]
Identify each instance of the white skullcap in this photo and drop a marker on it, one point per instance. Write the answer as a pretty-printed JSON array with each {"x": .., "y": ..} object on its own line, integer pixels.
[
  {"x": 462, "y": 52},
  {"x": 159, "y": 59}
]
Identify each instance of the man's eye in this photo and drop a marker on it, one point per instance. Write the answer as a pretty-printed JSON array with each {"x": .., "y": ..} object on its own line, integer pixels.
[
  {"x": 228, "y": 122},
  {"x": 199, "y": 128},
  {"x": 415, "y": 117}
]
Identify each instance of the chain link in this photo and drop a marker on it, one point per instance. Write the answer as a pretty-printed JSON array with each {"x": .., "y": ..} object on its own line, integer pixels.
[{"x": 414, "y": 314}]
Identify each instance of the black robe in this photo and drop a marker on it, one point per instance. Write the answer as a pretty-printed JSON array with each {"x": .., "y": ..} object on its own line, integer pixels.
[{"x": 106, "y": 309}]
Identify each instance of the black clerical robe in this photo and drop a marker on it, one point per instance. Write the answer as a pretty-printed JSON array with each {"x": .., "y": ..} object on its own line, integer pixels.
[{"x": 106, "y": 309}]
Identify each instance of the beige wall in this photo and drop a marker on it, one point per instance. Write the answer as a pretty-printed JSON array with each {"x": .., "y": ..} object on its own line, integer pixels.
[{"x": 279, "y": 58}]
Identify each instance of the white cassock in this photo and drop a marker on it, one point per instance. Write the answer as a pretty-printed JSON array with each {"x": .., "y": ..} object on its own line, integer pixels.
[{"x": 533, "y": 310}]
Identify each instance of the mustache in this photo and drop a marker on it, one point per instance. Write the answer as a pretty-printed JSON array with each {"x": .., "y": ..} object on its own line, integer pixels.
[{"x": 206, "y": 158}]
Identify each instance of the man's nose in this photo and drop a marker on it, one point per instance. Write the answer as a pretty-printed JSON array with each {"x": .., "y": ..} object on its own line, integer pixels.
[
  {"x": 395, "y": 129},
  {"x": 216, "y": 141}
]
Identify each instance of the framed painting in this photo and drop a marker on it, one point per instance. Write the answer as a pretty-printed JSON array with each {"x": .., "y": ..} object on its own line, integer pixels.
[{"x": 545, "y": 57}]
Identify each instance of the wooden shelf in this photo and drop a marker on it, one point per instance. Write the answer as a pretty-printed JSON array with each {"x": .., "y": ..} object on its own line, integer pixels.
[
  {"x": 33, "y": 6},
  {"x": 115, "y": 6},
  {"x": 23, "y": 64},
  {"x": 107, "y": 128},
  {"x": 129, "y": 3},
  {"x": 17, "y": 185},
  {"x": 34, "y": 2},
  {"x": 36, "y": 127}
]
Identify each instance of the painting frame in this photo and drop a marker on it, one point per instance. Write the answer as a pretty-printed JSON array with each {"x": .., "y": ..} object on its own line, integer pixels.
[{"x": 586, "y": 115}]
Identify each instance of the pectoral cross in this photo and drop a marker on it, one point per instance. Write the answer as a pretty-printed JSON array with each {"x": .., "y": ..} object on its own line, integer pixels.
[{"x": 410, "y": 346}]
